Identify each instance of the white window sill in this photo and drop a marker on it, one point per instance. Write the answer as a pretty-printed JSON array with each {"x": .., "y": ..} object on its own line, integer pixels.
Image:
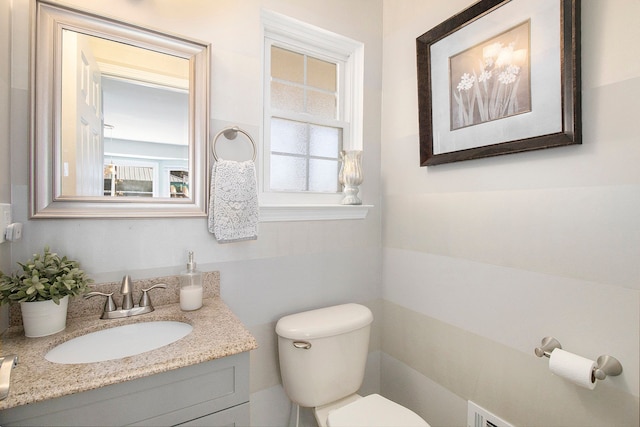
[{"x": 274, "y": 213}]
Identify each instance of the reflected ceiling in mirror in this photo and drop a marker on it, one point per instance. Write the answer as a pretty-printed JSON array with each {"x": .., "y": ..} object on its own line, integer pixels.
[{"x": 119, "y": 117}]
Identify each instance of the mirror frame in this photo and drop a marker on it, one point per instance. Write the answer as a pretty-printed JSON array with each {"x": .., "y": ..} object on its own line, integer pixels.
[{"x": 48, "y": 21}]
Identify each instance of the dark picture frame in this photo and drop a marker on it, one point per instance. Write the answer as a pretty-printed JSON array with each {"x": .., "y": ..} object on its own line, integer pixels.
[{"x": 537, "y": 90}]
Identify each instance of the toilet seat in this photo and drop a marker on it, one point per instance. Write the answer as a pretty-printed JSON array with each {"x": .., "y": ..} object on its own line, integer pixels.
[{"x": 374, "y": 411}]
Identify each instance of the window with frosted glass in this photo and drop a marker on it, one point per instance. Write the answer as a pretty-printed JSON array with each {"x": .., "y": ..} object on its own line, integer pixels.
[{"x": 304, "y": 145}]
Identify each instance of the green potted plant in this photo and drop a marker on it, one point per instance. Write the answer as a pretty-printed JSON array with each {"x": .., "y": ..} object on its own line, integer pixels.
[{"x": 43, "y": 288}]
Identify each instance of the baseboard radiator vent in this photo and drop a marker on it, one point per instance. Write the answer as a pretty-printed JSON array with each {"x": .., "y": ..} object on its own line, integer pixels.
[{"x": 480, "y": 417}]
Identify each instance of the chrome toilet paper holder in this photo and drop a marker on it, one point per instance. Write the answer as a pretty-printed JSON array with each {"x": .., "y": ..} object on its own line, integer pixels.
[{"x": 605, "y": 365}]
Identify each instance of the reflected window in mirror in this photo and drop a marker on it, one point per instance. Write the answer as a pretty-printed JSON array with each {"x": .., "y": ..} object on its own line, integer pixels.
[{"x": 179, "y": 183}]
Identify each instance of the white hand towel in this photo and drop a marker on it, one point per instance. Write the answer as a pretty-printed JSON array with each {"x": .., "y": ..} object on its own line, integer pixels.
[{"x": 233, "y": 201}]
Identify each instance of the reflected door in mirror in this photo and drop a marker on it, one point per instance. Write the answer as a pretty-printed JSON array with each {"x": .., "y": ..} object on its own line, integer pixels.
[{"x": 81, "y": 119}]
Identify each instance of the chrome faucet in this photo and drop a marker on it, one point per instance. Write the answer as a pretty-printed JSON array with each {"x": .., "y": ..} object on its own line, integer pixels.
[
  {"x": 128, "y": 308},
  {"x": 7, "y": 363}
]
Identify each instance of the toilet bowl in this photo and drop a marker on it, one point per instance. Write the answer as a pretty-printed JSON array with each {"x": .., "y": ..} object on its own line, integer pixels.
[{"x": 323, "y": 354}]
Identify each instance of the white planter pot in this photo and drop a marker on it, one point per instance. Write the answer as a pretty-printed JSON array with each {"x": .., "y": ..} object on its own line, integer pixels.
[{"x": 42, "y": 318}]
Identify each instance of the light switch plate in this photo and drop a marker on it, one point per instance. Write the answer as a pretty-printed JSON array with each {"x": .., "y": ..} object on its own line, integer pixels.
[{"x": 5, "y": 219}]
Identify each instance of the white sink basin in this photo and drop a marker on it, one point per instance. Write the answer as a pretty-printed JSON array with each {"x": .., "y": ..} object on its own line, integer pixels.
[{"x": 118, "y": 342}]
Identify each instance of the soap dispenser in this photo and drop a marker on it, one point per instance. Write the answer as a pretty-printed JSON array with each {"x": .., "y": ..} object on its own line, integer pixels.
[{"x": 190, "y": 286}]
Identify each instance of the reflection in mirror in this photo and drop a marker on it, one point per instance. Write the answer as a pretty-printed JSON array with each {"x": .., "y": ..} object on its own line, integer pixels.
[
  {"x": 124, "y": 120},
  {"x": 130, "y": 119}
]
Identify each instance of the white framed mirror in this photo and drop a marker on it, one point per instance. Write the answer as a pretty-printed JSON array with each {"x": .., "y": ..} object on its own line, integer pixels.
[{"x": 119, "y": 118}]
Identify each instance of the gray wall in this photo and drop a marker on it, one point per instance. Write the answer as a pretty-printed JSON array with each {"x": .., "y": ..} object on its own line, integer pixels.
[
  {"x": 292, "y": 266},
  {"x": 482, "y": 259}
]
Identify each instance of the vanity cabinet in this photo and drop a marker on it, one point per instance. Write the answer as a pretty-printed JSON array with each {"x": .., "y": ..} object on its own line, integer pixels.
[{"x": 214, "y": 393}]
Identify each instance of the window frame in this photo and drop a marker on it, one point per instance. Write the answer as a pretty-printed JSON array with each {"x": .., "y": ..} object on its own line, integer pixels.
[{"x": 348, "y": 54}]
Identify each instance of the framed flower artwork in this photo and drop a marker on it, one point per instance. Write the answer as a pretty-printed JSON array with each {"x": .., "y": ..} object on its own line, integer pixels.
[{"x": 500, "y": 77}]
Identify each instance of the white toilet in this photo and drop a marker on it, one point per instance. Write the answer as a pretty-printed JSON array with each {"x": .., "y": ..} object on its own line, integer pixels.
[{"x": 323, "y": 354}]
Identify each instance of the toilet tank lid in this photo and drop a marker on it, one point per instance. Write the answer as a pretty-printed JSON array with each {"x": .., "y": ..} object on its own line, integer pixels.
[{"x": 324, "y": 322}]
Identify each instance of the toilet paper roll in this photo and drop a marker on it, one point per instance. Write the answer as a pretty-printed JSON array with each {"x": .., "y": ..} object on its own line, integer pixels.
[{"x": 572, "y": 367}]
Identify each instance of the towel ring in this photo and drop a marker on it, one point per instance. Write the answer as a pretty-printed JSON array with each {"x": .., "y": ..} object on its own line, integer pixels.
[{"x": 231, "y": 133}]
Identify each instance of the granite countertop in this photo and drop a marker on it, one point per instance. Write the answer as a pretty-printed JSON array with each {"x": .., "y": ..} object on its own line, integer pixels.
[{"x": 216, "y": 333}]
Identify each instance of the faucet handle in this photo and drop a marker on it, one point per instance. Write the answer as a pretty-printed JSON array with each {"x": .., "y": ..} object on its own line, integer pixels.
[
  {"x": 145, "y": 301},
  {"x": 109, "y": 305}
]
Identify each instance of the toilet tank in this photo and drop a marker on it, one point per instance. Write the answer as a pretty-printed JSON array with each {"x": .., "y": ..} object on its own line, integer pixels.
[{"x": 323, "y": 353}]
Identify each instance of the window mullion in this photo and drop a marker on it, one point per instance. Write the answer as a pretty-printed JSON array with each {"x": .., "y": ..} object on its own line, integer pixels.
[
  {"x": 307, "y": 154},
  {"x": 307, "y": 118},
  {"x": 305, "y": 92},
  {"x": 312, "y": 157}
]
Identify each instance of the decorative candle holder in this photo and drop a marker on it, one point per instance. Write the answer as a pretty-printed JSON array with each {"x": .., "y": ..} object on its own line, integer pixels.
[{"x": 351, "y": 176}]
